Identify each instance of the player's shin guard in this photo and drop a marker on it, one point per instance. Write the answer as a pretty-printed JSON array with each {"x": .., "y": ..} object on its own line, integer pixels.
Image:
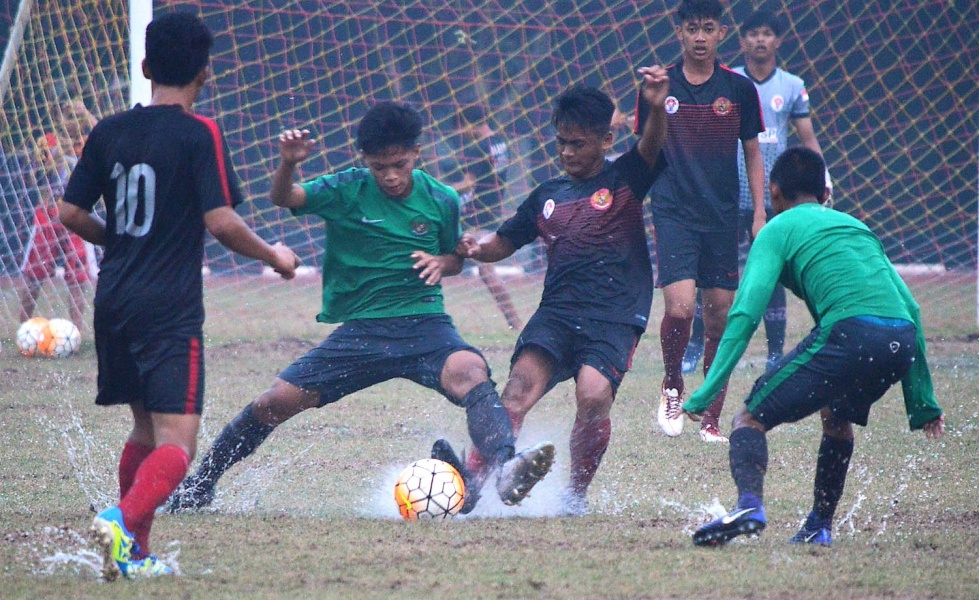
[
  {"x": 489, "y": 424},
  {"x": 748, "y": 455},
  {"x": 831, "y": 468}
]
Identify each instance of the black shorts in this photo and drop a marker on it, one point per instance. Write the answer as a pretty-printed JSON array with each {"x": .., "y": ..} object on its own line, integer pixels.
[
  {"x": 847, "y": 367},
  {"x": 709, "y": 258},
  {"x": 164, "y": 371},
  {"x": 363, "y": 352},
  {"x": 573, "y": 342}
]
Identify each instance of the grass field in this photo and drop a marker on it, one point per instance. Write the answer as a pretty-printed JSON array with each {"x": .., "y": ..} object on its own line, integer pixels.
[{"x": 311, "y": 514}]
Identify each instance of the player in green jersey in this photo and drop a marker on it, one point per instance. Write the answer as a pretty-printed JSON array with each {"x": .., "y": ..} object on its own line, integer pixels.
[
  {"x": 391, "y": 234},
  {"x": 868, "y": 336}
]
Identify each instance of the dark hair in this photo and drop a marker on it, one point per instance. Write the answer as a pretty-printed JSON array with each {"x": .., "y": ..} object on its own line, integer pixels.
[
  {"x": 586, "y": 107},
  {"x": 178, "y": 46},
  {"x": 761, "y": 18},
  {"x": 699, "y": 9},
  {"x": 471, "y": 115},
  {"x": 388, "y": 125},
  {"x": 799, "y": 170}
]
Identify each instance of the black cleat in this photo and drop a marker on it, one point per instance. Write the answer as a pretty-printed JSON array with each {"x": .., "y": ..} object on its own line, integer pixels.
[
  {"x": 740, "y": 521},
  {"x": 190, "y": 496},
  {"x": 442, "y": 450}
]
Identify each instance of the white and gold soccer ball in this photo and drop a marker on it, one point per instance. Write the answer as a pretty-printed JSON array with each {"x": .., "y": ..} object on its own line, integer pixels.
[
  {"x": 62, "y": 339},
  {"x": 31, "y": 334},
  {"x": 429, "y": 489}
]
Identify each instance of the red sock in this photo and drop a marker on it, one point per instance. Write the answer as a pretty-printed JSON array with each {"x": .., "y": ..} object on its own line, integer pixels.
[
  {"x": 133, "y": 455},
  {"x": 159, "y": 474},
  {"x": 589, "y": 440},
  {"x": 674, "y": 336},
  {"x": 712, "y": 415}
]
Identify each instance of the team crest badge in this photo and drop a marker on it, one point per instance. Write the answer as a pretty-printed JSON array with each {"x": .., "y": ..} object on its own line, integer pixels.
[
  {"x": 805, "y": 95},
  {"x": 420, "y": 225},
  {"x": 548, "y": 208},
  {"x": 778, "y": 103},
  {"x": 672, "y": 105},
  {"x": 722, "y": 106},
  {"x": 602, "y": 199}
]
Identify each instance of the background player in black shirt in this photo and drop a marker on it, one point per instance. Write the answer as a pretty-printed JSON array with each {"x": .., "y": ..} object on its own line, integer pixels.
[
  {"x": 695, "y": 205},
  {"x": 598, "y": 286},
  {"x": 165, "y": 176}
]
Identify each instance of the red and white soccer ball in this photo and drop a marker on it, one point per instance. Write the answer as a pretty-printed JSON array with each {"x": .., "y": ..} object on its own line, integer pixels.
[
  {"x": 31, "y": 335},
  {"x": 62, "y": 340},
  {"x": 429, "y": 489}
]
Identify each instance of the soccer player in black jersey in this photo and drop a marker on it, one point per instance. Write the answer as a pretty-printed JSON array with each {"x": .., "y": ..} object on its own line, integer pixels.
[
  {"x": 695, "y": 205},
  {"x": 165, "y": 176},
  {"x": 598, "y": 285}
]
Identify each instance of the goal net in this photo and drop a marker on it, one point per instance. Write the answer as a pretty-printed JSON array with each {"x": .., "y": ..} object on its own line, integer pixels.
[{"x": 892, "y": 89}]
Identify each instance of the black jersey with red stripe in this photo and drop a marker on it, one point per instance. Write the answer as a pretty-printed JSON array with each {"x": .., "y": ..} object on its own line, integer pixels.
[
  {"x": 597, "y": 257},
  {"x": 158, "y": 169},
  {"x": 700, "y": 187}
]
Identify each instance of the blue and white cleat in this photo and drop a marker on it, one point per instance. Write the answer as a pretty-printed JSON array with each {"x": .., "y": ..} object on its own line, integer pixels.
[
  {"x": 818, "y": 536},
  {"x": 740, "y": 521}
]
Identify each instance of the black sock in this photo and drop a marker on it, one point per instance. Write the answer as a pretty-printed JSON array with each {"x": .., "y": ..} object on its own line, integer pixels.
[
  {"x": 831, "y": 468},
  {"x": 749, "y": 461},
  {"x": 489, "y": 424},
  {"x": 238, "y": 439}
]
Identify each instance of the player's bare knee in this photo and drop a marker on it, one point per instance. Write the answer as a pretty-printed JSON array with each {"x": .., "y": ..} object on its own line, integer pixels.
[{"x": 283, "y": 401}]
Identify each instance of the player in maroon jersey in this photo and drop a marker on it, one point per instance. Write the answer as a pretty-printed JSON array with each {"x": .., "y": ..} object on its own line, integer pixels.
[
  {"x": 598, "y": 286},
  {"x": 695, "y": 205}
]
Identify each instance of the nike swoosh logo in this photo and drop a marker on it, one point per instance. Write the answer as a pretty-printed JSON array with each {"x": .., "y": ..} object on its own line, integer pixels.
[
  {"x": 371, "y": 221},
  {"x": 734, "y": 516}
]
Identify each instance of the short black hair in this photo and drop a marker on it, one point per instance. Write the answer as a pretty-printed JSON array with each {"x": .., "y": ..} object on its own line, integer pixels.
[
  {"x": 799, "y": 170},
  {"x": 699, "y": 9},
  {"x": 761, "y": 18},
  {"x": 388, "y": 125},
  {"x": 178, "y": 46},
  {"x": 587, "y": 107}
]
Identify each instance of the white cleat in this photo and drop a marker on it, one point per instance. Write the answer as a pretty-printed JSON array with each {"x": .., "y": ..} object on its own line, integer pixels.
[
  {"x": 670, "y": 414},
  {"x": 522, "y": 472},
  {"x": 712, "y": 435}
]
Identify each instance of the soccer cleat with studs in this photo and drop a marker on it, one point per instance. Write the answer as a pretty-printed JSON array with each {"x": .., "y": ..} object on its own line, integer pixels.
[
  {"x": 748, "y": 520},
  {"x": 522, "y": 472},
  {"x": 818, "y": 536},
  {"x": 670, "y": 413},
  {"x": 191, "y": 495},
  {"x": 442, "y": 450},
  {"x": 711, "y": 434},
  {"x": 110, "y": 533}
]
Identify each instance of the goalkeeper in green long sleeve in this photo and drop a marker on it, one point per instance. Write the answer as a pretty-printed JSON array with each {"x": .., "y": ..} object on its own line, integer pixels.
[{"x": 868, "y": 336}]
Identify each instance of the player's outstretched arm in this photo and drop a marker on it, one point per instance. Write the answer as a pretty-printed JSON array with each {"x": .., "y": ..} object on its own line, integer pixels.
[
  {"x": 87, "y": 225},
  {"x": 234, "y": 234},
  {"x": 491, "y": 248},
  {"x": 655, "y": 88},
  {"x": 295, "y": 146}
]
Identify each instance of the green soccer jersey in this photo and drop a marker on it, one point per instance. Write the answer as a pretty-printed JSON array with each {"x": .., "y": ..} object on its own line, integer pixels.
[
  {"x": 835, "y": 264},
  {"x": 367, "y": 264}
]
